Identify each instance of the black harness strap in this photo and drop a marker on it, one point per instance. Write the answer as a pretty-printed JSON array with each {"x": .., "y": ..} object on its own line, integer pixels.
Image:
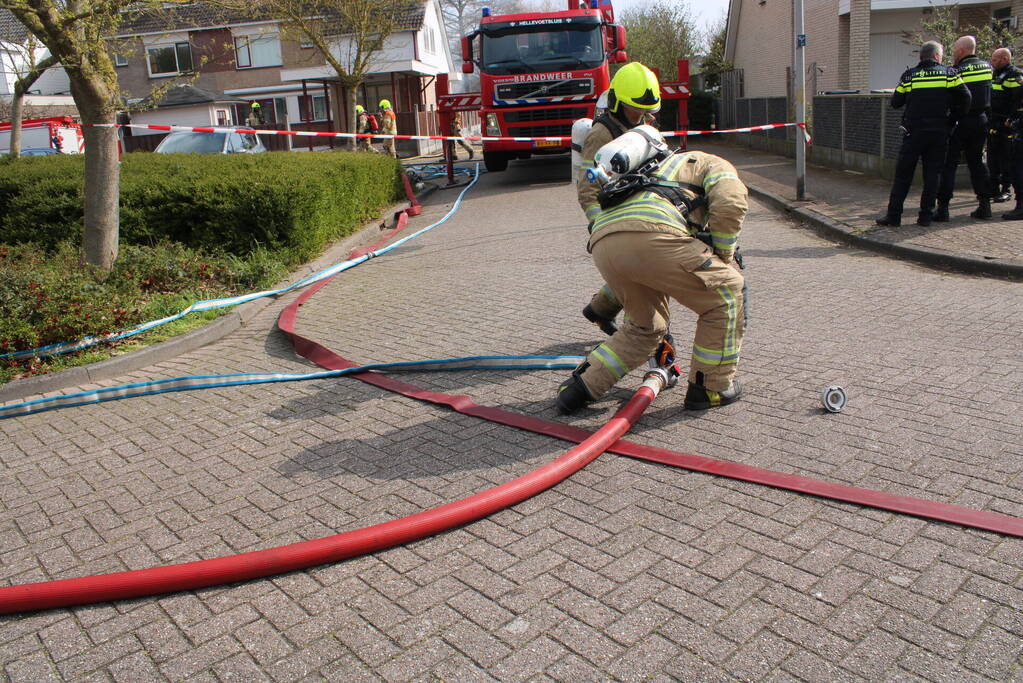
[{"x": 614, "y": 127}]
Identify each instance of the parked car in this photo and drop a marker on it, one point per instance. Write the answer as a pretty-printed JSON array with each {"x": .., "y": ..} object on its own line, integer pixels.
[
  {"x": 188, "y": 142},
  {"x": 33, "y": 152}
]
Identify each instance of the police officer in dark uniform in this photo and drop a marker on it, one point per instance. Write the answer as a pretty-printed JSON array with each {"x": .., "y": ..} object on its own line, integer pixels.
[
  {"x": 1006, "y": 95},
  {"x": 1015, "y": 137},
  {"x": 930, "y": 93},
  {"x": 970, "y": 133}
]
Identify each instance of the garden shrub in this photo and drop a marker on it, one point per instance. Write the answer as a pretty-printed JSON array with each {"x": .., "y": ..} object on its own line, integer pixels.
[
  {"x": 191, "y": 227},
  {"x": 46, "y": 298},
  {"x": 287, "y": 202}
]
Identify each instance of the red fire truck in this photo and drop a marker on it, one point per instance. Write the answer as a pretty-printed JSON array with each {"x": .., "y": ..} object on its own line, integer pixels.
[
  {"x": 539, "y": 72},
  {"x": 59, "y": 133}
]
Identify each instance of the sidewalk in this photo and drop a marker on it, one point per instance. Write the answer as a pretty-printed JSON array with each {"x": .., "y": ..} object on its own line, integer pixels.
[{"x": 843, "y": 205}]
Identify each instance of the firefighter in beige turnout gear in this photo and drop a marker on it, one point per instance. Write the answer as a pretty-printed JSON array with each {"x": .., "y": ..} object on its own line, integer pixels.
[
  {"x": 645, "y": 249},
  {"x": 634, "y": 98}
]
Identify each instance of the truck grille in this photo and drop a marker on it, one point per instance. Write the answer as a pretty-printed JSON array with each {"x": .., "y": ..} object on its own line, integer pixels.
[
  {"x": 575, "y": 86},
  {"x": 545, "y": 114},
  {"x": 557, "y": 130}
]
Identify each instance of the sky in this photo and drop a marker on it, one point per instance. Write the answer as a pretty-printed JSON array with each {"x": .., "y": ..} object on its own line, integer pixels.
[{"x": 706, "y": 12}]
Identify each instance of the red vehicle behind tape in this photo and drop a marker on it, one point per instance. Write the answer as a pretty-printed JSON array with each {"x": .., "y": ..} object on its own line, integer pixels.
[
  {"x": 539, "y": 72},
  {"x": 60, "y": 133}
]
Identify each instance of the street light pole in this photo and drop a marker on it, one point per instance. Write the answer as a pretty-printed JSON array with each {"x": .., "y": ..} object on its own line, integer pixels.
[{"x": 799, "y": 93}]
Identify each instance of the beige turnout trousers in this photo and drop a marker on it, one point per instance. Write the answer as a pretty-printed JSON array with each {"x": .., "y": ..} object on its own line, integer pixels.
[{"x": 644, "y": 269}]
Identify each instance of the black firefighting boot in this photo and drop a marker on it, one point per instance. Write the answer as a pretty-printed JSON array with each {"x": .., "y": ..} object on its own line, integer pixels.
[
  {"x": 606, "y": 325},
  {"x": 924, "y": 218},
  {"x": 941, "y": 214},
  {"x": 889, "y": 220},
  {"x": 573, "y": 394},
  {"x": 983, "y": 209},
  {"x": 699, "y": 397},
  {"x": 1003, "y": 196},
  {"x": 1016, "y": 214}
]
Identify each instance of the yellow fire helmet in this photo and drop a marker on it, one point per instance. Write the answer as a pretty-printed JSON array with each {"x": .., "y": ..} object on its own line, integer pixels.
[
  {"x": 636, "y": 86},
  {"x": 385, "y": 104},
  {"x": 359, "y": 109},
  {"x": 255, "y": 105}
]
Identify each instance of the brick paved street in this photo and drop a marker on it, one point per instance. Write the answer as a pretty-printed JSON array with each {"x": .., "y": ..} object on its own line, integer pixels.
[{"x": 627, "y": 571}]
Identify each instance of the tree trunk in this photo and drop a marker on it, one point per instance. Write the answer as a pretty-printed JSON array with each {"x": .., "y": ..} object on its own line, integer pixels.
[
  {"x": 353, "y": 120},
  {"x": 102, "y": 194},
  {"x": 17, "y": 107}
]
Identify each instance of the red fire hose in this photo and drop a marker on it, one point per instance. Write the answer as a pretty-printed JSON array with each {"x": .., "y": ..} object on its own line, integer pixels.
[{"x": 252, "y": 565}]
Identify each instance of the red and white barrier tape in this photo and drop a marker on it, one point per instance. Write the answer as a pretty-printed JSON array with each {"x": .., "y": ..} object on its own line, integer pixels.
[{"x": 323, "y": 134}]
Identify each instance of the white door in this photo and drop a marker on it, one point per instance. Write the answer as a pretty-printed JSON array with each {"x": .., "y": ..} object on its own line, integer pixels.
[{"x": 889, "y": 57}]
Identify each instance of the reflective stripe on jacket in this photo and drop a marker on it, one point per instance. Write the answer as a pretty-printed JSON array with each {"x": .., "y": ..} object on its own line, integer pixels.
[
  {"x": 931, "y": 93},
  {"x": 650, "y": 212},
  {"x": 976, "y": 74},
  {"x": 1006, "y": 92}
]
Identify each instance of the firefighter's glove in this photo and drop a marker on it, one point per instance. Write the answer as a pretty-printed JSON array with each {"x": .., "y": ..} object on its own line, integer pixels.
[
  {"x": 664, "y": 358},
  {"x": 665, "y": 354}
]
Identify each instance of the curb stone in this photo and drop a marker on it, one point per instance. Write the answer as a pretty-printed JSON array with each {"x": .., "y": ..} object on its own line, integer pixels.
[
  {"x": 825, "y": 226},
  {"x": 219, "y": 328}
]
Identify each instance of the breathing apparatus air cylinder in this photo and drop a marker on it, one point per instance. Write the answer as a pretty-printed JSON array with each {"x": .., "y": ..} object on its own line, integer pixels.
[
  {"x": 580, "y": 129},
  {"x": 628, "y": 152}
]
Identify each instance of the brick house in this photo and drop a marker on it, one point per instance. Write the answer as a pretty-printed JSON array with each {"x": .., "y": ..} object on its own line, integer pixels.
[
  {"x": 851, "y": 44},
  {"x": 245, "y": 57},
  {"x": 50, "y": 94}
]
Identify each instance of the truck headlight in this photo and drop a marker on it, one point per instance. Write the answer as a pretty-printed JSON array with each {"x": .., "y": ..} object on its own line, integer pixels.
[{"x": 493, "y": 129}]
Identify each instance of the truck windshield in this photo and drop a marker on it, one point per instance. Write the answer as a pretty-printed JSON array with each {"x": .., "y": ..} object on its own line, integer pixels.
[{"x": 522, "y": 50}]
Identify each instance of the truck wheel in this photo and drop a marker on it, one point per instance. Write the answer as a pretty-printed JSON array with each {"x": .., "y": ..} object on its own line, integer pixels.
[{"x": 495, "y": 161}]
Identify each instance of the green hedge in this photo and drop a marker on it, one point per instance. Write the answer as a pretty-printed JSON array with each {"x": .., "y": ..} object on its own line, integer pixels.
[{"x": 290, "y": 203}]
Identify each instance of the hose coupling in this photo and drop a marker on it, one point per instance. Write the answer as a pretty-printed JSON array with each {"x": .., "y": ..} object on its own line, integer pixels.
[
  {"x": 667, "y": 376},
  {"x": 833, "y": 398}
]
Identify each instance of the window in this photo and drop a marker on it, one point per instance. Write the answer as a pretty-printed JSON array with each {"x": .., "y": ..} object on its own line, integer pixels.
[
  {"x": 538, "y": 49},
  {"x": 430, "y": 41},
  {"x": 252, "y": 52},
  {"x": 169, "y": 60},
  {"x": 222, "y": 118},
  {"x": 1002, "y": 19},
  {"x": 120, "y": 60},
  {"x": 319, "y": 107}
]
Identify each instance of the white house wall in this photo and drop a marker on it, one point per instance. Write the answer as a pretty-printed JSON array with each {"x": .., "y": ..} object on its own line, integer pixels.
[
  {"x": 438, "y": 60},
  {"x": 54, "y": 81},
  {"x": 199, "y": 115},
  {"x": 396, "y": 53},
  {"x": 7, "y": 70},
  {"x": 890, "y": 54}
]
